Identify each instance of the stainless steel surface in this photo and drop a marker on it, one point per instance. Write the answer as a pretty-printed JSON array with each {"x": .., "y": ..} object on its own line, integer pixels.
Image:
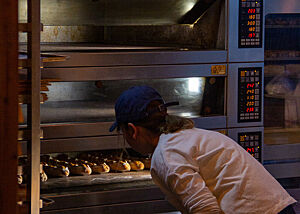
[
  {"x": 95, "y": 111},
  {"x": 104, "y": 179},
  {"x": 73, "y": 137},
  {"x": 284, "y": 170},
  {"x": 236, "y": 54},
  {"x": 203, "y": 34},
  {"x": 281, "y": 152},
  {"x": 279, "y": 6},
  {"x": 94, "y": 47},
  {"x": 214, "y": 122},
  {"x": 129, "y": 200},
  {"x": 34, "y": 76},
  {"x": 116, "y": 12},
  {"x": 79, "y": 144},
  {"x": 127, "y": 73},
  {"x": 131, "y": 55},
  {"x": 83, "y": 101},
  {"x": 72, "y": 130},
  {"x": 148, "y": 207},
  {"x": 133, "y": 26},
  {"x": 94, "y": 101},
  {"x": 232, "y": 96}
]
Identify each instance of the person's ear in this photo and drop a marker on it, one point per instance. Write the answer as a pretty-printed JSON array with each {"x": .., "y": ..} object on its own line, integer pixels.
[{"x": 133, "y": 130}]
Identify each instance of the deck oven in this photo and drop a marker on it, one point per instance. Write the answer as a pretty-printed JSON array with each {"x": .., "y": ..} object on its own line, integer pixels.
[{"x": 208, "y": 55}]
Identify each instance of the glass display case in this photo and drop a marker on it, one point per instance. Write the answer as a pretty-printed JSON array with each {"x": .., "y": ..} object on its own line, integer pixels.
[{"x": 281, "y": 92}]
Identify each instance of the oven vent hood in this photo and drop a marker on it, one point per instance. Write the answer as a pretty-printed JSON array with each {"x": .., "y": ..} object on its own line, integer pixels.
[{"x": 121, "y": 12}]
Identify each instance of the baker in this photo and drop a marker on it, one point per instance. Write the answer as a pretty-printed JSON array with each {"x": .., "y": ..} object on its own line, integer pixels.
[{"x": 199, "y": 171}]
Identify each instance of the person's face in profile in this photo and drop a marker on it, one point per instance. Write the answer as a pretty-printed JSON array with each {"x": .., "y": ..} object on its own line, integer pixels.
[{"x": 138, "y": 139}]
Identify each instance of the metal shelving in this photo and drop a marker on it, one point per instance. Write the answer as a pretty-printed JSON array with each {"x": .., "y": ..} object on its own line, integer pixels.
[{"x": 33, "y": 66}]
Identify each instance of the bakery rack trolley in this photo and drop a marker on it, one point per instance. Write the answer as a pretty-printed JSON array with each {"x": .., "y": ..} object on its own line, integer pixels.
[{"x": 32, "y": 68}]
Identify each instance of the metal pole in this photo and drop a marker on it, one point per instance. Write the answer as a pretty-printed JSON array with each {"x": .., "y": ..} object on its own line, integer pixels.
[{"x": 34, "y": 75}]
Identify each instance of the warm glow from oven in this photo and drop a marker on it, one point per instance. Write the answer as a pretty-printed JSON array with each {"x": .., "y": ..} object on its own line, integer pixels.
[
  {"x": 187, "y": 114},
  {"x": 189, "y": 5},
  {"x": 194, "y": 85}
]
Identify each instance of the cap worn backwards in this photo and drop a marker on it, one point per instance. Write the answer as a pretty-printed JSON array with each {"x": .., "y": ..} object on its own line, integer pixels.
[{"x": 132, "y": 103}]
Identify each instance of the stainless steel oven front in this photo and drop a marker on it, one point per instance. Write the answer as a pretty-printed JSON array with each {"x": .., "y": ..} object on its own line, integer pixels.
[{"x": 208, "y": 55}]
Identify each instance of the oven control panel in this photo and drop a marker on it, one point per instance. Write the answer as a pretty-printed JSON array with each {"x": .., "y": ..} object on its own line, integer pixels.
[
  {"x": 251, "y": 142},
  {"x": 250, "y": 23},
  {"x": 250, "y": 94}
]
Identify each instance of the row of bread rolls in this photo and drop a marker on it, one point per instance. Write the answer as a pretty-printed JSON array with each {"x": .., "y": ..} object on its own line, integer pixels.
[
  {"x": 119, "y": 162},
  {"x": 63, "y": 165},
  {"x": 137, "y": 163}
]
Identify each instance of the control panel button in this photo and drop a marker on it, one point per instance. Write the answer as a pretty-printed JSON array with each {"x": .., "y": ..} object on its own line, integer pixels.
[
  {"x": 249, "y": 94},
  {"x": 251, "y": 142}
]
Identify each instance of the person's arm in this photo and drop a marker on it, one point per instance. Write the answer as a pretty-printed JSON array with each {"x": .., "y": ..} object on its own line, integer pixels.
[{"x": 190, "y": 188}]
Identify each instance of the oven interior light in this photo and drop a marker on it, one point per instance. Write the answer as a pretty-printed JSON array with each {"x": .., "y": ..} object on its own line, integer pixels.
[
  {"x": 194, "y": 85},
  {"x": 189, "y": 5},
  {"x": 186, "y": 114}
]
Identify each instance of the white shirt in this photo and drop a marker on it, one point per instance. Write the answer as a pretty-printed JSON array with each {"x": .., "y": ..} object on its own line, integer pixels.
[{"x": 203, "y": 171}]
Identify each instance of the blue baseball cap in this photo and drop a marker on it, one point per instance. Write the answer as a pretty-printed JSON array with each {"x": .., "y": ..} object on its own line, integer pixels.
[{"x": 132, "y": 103}]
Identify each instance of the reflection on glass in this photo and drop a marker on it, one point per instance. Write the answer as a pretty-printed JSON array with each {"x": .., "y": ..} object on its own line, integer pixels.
[
  {"x": 194, "y": 84},
  {"x": 185, "y": 114},
  {"x": 94, "y": 101},
  {"x": 282, "y": 79}
]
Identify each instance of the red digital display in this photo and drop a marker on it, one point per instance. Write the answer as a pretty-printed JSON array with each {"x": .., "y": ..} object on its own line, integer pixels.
[
  {"x": 250, "y": 23},
  {"x": 250, "y": 85},
  {"x": 251, "y": 142},
  {"x": 249, "y": 109},
  {"x": 251, "y": 10},
  {"x": 251, "y": 35},
  {"x": 249, "y": 94},
  {"x": 250, "y": 150}
]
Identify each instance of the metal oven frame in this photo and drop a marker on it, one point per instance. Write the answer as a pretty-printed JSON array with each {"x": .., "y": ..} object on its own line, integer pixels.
[{"x": 146, "y": 65}]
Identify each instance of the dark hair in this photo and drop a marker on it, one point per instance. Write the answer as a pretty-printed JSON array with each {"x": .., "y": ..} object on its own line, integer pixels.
[{"x": 161, "y": 122}]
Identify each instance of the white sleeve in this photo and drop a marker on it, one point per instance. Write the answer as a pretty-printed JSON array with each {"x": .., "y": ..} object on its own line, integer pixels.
[
  {"x": 168, "y": 194},
  {"x": 190, "y": 188}
]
